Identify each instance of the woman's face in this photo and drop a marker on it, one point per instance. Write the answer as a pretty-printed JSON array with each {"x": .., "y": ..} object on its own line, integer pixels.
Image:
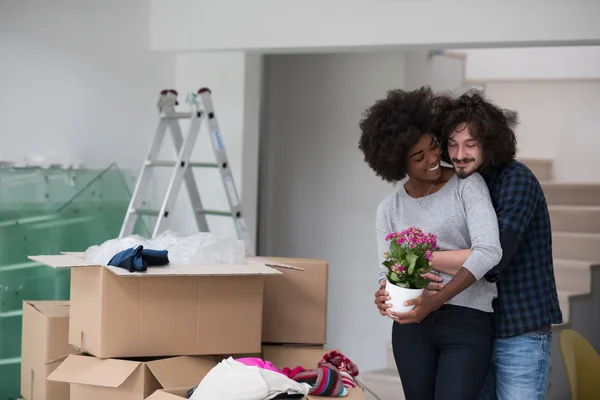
[{"x": 424, "y": 159}]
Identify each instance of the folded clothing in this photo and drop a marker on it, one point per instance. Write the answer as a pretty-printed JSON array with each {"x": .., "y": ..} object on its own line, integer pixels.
[
  {"x": 257, "y": 362},
  {"x": 324, "y": 380},
  {"x": 137, "y": 259},
  {"x": 232, "y": 380},
  {"x": 344, "y": 365}
]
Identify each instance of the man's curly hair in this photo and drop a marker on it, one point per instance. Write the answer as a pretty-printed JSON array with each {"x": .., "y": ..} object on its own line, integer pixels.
[
  {"x": 491, "y": 125},
  {"x": 391, "y": 126}
]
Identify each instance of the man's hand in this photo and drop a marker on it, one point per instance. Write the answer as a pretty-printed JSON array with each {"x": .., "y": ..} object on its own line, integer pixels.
[
  {"x": 380, "y": 297},
  {"x": 424, "y": 305},
  {"x": 436, "y": 281}
]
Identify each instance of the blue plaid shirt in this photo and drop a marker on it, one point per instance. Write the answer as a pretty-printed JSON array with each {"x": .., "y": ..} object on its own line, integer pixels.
[{"x": 527, "y": 298}]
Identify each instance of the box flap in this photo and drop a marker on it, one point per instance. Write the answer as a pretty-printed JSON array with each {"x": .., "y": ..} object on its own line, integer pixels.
[
  {"x": 71, "y": 261},
  {"x": 177, "y": 372},
  {"x": 272, "y": 263},
  {"x": 51, "y": 308},
  {"x": 62, "y": 261},
  {"x": 169, "y": 394},
  {"x": 353, "y": 394},
  {"x": 80, "y": 254},
  {"x": 252, "y": 268},
  {"x": 294, "y": 356},
  {"x": 88, "y": 370}
]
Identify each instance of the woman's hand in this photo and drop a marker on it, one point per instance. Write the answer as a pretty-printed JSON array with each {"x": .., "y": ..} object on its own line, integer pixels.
[{"x": 380, "y": 297}]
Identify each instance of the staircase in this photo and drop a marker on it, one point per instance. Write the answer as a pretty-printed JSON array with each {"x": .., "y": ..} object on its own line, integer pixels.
[{"x": 575, "y": 217}]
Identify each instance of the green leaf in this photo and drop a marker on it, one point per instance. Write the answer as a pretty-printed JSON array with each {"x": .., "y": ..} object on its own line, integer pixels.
[
  {"x": 404, "y": 285},
  {"x": 420, "y": 282},
  {"x": 411, "y": 259},
  {"x": 388, "y": 263},
  {"x": 394, "y": 277}
]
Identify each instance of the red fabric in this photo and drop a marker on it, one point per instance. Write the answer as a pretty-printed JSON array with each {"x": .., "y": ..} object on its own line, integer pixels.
[{"x": 291, "y": 373}]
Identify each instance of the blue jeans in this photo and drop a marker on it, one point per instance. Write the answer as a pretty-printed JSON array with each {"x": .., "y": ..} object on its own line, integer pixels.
[{"x": 519, "y": 368}]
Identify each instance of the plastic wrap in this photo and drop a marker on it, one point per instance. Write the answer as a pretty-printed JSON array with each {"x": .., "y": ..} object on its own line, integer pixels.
[{"x": 201, "y": 248}]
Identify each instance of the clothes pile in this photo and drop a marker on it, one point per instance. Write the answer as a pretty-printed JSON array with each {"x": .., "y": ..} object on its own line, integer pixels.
[{"x": 256, "y": 379}]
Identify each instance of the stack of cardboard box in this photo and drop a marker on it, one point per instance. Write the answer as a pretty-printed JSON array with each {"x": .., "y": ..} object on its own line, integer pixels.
[{"x": 154, "y": 335}]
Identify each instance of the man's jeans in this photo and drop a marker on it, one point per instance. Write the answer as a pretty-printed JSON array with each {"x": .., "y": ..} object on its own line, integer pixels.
[{"x": 519, "y": 368}]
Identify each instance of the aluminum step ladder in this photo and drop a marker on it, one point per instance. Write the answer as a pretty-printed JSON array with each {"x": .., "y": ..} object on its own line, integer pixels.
[{"x": 201, "y": 109}]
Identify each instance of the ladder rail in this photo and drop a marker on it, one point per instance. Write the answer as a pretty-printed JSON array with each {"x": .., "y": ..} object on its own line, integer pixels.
[
  {"x": 181, "y": 166},
  {"x": 190, "y": 180},
  {"x": 143, "y": 181},
  {"x": 233, "y": 198}
]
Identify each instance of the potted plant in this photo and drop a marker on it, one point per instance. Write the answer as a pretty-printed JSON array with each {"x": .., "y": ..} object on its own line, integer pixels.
[{"x": 407, "y": 260}]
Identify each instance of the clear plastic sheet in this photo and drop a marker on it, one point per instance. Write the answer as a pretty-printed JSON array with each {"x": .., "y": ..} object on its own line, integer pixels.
[{"x": 201, "y": 248}]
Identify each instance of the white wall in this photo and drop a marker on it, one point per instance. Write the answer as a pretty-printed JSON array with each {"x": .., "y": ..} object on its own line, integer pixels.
[
  {"x": 78, "y": 80},
  {"x": 80, "y": 83},
  {"x": 559, "y": 120},
  {"x": 441, "y": 73},
  {"x": 532, "y": 63},
  {"x": 556, "y": 91},
  {"x": 274, "y": 25},
  {"x": 318, "y": 197}
]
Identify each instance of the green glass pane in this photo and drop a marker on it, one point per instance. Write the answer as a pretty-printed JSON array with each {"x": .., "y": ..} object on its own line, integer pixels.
[{"x": 45, "y": 211}]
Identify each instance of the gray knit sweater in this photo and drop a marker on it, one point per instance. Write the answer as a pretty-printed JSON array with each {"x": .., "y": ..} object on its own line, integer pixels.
[{"x": 461, "y": 215}]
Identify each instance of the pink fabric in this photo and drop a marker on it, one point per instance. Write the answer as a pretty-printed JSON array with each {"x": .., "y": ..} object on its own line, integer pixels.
[
  {"x": 291, "y": 373},
  {"x": 257, "y": 362}
]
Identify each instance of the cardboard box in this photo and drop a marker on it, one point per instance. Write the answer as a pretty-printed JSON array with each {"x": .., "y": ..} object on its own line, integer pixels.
[
  {"x": 281, "y": 357},
  {"x": 165, "y": 311},
  {"x": 44, "y": 345},
  {"x": 92, "y": 378},
  {"x": 295, "y": 303}
]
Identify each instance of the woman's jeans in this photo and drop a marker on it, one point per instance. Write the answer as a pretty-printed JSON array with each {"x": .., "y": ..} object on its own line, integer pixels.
[{"x": 446, "y": 356}]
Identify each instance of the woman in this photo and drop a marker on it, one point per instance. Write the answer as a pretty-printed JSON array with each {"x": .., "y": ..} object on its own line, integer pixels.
[{"x": 446, "y": 355}]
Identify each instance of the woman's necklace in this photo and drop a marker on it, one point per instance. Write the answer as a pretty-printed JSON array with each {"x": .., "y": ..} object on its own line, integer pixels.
[{"x": 420, "y": 199}]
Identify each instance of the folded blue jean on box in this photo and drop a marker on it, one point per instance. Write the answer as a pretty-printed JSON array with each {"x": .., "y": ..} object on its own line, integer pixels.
[{"x": 136, "y": 259}]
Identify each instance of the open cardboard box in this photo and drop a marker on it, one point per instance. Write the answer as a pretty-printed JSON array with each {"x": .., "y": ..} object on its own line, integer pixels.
[
  {"x": 93, "y": 378},
  {"x": 280, "y": 357},
  {"x": 302, "y": 289},
  {"x": 166, "y": 311},
  {"x": 44, "y": 346}
]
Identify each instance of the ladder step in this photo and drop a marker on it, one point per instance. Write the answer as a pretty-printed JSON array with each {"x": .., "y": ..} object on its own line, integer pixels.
[
  {"x": 215, "y": 212},
  {"x": 164, "y": 163},
  {"x": 178, "y": 115},
  {"x": 140, "y": 211}
]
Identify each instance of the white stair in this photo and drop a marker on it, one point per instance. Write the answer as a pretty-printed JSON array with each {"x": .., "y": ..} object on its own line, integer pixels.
[
  {"x": 573, "y": 275},
  {"x": 542, "y": 168},
  {"x": 576, "y": 246},
  {"x": 585, "y": 219},
  {"x": 571, "y": 194}
]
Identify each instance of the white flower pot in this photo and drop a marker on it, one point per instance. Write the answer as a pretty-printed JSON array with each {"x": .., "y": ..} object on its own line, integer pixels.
[{"x": 398, "y": 295}]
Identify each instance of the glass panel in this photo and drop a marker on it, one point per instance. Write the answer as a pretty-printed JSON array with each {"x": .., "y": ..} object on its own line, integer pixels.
[{"x": 45, "y": 212}]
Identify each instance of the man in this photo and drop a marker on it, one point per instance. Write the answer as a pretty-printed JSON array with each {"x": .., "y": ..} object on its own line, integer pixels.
[{"x": 477, "y": 136}]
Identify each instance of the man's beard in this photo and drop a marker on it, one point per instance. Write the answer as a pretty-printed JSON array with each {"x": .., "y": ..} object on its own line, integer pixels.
[{"x": 462, "y": 171}]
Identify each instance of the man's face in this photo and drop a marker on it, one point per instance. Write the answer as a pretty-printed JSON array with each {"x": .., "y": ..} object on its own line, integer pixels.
[{"x": 464, "y": 151}]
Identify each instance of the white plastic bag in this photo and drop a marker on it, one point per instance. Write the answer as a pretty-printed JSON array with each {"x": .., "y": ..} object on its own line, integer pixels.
[{"x": 201, "y": 248}]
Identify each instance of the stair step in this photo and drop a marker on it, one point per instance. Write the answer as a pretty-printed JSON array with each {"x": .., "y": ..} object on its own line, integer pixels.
[
  {"x": 585, "y": 219},
  {"x": 542, "y": 168},
  {"x": 583, "y": 194},
  {"x": 576, "y": 246},
  {"x": 573, "y": 275}
]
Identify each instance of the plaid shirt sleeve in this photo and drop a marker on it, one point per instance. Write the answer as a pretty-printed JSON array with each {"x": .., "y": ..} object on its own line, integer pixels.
[{"x": 516, "y": 201}]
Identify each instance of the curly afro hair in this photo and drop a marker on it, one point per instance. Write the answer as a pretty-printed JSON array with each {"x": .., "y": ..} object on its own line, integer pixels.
[
  {"x": 391, "y": 127},
  {"x": 491, "y": 125}
]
